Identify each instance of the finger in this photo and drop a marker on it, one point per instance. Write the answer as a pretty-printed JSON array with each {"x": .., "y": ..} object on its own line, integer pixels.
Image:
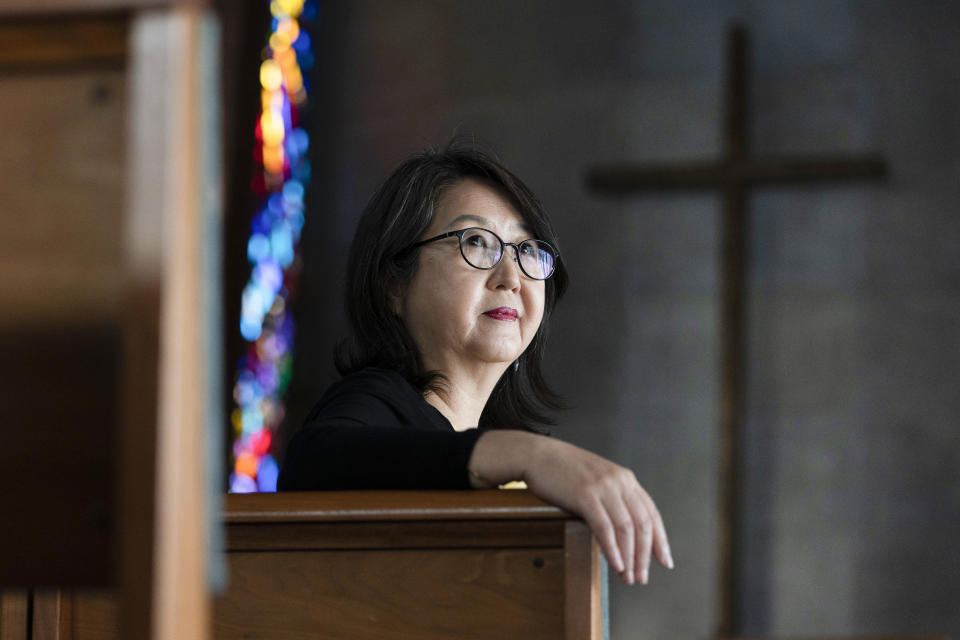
[
  {"x": 646, "y": 543},
  {"x": 661, "y": 545},
  {"x": 643, "y": 522},
  {"x": 637, "y": 512},
  {"x": 602, "y": 527},
  {"x": 625, "y": 528}
]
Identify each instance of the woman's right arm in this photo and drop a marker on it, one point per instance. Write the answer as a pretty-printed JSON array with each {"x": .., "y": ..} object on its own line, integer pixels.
[
  {"x": 606, "y": 495},
  {"x": 338, "y": 454}
]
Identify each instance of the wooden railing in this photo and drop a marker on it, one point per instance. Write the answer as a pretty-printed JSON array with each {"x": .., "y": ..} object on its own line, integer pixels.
[
  {"x": 430, "y": 565},
  {"x": 374, "y": 564}
]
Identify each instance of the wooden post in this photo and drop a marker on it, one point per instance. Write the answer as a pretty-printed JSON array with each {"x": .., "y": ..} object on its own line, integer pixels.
[
  {"x": 584, "y": 583},
  {"x": 14, "y": 608},
  {"x": 165, "y": 245},
  {"x": 137, "y": 521}
]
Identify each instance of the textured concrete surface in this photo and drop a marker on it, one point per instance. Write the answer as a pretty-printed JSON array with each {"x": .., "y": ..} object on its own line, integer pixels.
[{"x": 852, "y": 503}]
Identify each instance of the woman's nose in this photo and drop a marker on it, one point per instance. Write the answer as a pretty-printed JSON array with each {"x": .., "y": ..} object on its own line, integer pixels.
[{"x": 507, "y": 272}]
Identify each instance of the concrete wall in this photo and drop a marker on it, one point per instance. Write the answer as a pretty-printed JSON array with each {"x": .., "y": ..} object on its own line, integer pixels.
[{"x": 852, "y": 500}]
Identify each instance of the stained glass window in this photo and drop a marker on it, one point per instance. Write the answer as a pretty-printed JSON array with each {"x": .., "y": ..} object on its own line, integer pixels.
[{"x": 278, "y": 186}]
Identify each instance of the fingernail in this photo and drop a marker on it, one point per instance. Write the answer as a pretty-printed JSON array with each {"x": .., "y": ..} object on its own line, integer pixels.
[
  {"x": 669, "y": 560},
  {"x": 644, "y": 576},
  {"x": 629, "y": 577}
]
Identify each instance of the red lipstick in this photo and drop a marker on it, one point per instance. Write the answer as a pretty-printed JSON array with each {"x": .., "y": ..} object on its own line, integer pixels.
[{"x": 508, "y": 314}]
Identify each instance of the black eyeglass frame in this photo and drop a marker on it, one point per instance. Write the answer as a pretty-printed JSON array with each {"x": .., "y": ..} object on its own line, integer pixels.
[{"x": 503, "y": 249}]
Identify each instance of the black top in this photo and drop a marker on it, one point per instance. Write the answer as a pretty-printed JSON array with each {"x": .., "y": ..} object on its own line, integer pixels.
[{"x": 374, "y": 430}]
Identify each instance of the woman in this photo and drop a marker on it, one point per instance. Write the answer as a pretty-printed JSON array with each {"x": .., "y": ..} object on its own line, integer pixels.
[{"x": 452, "y": 275}]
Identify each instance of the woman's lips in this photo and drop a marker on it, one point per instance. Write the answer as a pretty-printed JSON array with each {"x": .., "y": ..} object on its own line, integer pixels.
[{"x": 502, "y": 313}]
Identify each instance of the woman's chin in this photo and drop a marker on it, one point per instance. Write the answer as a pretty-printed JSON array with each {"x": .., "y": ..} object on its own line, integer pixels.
[
  {"x": 500, "y": 350},
  {"x": 502, "y": 359},
  {"x": 497, "y": 357}
]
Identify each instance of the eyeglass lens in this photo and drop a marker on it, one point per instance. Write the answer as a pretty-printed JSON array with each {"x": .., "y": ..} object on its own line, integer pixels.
[{"x": 483, "y": 250}]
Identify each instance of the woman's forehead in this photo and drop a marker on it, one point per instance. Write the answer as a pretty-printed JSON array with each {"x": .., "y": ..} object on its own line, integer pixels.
[
  {"x": 474, "y": 220},
  {"x": 472, "y": 202}
]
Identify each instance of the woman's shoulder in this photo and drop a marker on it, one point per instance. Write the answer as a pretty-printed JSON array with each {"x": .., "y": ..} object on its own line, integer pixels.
[
  {"x": 373, "y": 396},
  {"x": 372, "y": 380}
]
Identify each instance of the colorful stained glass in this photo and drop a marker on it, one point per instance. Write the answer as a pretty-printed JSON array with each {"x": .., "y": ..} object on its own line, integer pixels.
[{"x": 279, "y": 184}]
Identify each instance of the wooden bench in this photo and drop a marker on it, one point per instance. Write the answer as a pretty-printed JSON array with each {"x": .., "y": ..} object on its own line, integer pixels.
[
  {"x": 375, "y": 564},
  {"x": 404, "y": 564}
]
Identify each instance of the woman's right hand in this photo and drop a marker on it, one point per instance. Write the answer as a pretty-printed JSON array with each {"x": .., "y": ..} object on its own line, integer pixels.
[{"x": 621, "y": 514}]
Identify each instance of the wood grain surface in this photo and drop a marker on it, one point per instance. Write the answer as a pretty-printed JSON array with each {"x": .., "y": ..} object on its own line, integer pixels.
[
  {"x": 425, "y": 594},
  {"x": 343, "y": 506}
]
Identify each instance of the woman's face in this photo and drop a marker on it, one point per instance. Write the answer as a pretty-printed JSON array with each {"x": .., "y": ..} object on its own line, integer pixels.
[{"x": 459, "y": 315}]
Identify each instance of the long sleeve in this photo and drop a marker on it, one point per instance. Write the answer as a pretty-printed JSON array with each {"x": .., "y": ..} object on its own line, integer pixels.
[
  {"x": 332, "y": 456},
  {"x": 373, "y": 430}
]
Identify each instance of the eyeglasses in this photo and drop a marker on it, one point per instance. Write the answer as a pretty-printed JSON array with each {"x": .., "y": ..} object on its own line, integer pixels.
[{"x": 483, "y": 249}]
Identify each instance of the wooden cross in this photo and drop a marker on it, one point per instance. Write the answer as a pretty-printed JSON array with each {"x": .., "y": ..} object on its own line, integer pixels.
[{"x": 732, "y": 174}]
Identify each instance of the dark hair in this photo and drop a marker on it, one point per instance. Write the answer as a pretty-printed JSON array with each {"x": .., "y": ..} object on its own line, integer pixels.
[{"x": 381, "y": 265}]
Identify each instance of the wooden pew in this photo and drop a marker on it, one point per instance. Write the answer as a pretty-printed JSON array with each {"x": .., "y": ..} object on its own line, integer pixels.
[
  {"x": 109, "y": 205},
  {"x": 385, "y": 564},
  {"x": 428, "y": 565}
]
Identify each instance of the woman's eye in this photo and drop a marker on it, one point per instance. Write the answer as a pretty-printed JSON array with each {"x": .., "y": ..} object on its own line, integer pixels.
[
  {"x": 475, "y": 241},
  {"x": 527, "y": 249}
]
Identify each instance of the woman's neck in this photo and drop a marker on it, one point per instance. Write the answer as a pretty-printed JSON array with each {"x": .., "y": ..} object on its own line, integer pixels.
[{"x": 463, "y": 397}]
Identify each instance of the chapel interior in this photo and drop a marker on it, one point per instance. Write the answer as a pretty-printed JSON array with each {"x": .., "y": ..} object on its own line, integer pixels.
[{"x": 757, "y": 202}]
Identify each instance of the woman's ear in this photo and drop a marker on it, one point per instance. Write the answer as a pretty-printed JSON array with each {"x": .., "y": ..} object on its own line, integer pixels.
[{"x": 395, "y": 296}]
